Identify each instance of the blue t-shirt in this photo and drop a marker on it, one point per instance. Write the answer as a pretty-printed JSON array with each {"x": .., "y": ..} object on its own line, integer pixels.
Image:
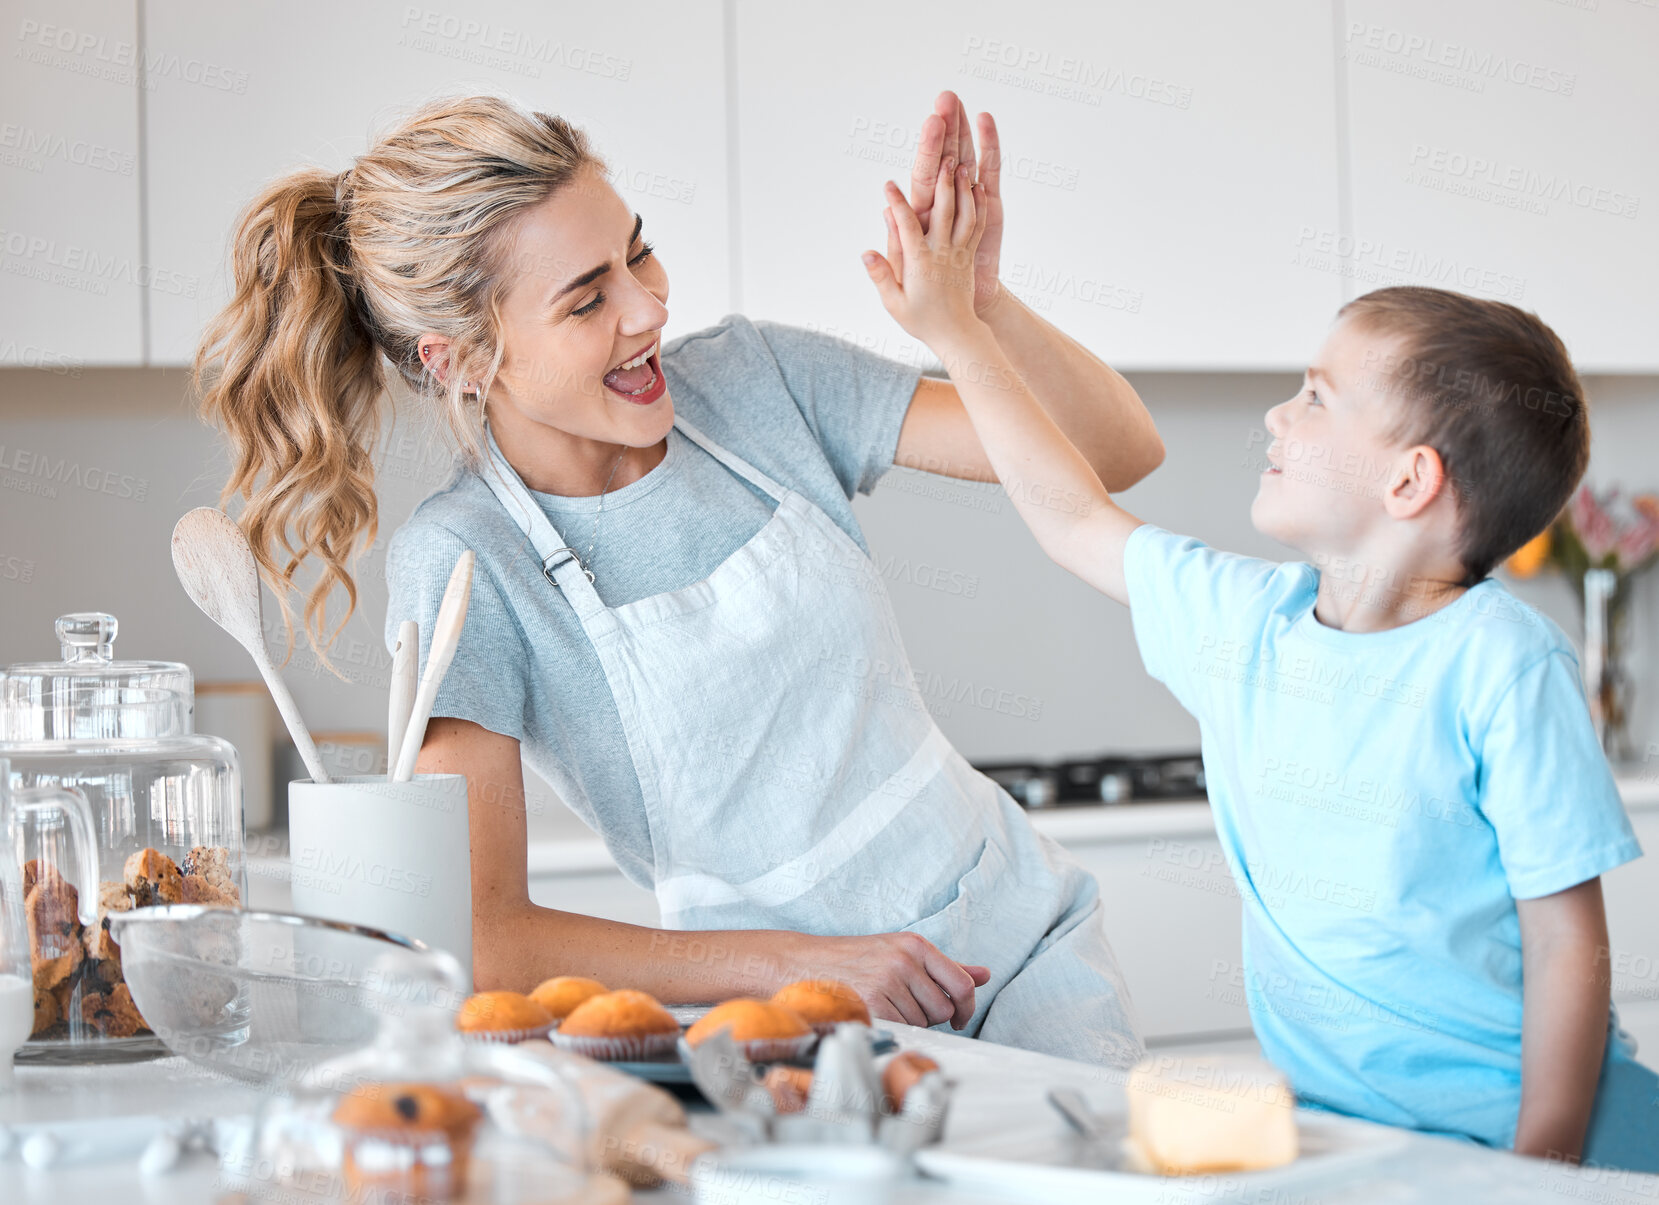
[
  {"x": 1383, "y": 799},
  {"x": 820, "y": 415}
]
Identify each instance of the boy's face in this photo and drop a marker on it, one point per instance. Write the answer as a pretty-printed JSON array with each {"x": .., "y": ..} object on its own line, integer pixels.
[{"x": 1331, "y": 454}]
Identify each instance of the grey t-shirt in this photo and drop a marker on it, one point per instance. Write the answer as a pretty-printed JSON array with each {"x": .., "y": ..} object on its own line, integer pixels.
[{"x": 817, "y": 414}]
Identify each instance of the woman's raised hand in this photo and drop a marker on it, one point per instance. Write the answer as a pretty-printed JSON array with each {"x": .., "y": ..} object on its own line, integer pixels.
[
  {"x": 901, "y": 976},
  {"x": 946, "y": 131},
  {"x": 927, "y": 279}
]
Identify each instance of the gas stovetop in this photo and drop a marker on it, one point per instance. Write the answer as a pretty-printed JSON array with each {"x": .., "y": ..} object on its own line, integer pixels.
[{"x": 1104, "y": 779}]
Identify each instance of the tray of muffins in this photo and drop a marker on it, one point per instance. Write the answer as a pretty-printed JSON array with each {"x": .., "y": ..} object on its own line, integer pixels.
[{"x": 633, "y": 1032}]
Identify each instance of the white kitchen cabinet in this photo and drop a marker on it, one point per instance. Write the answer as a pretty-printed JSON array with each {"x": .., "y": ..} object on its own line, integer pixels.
[
  {"x": 1632, "y": 897},
  {"x": 72, "y": 272},
  {"x": 310, "y": 79},
  {"x": 601, "y": 893},
  {"x": 1173, "y": 917},
  {"x": 1509, "y": 152},
  {"x": 1161, "y": 162}
]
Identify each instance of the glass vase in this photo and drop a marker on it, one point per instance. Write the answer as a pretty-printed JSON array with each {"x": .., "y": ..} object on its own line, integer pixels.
[{"x": 1607, "y": 679}]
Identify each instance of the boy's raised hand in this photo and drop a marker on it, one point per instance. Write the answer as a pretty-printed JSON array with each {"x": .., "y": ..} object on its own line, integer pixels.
[
  {"x": 946, "y": 131},
  {"x": 926, "y": 281}
]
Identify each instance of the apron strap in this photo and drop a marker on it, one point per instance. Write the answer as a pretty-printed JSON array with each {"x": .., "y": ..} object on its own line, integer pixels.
[
  {"x": 730, "y": 459},
  {"x": 559, "y": 563}
]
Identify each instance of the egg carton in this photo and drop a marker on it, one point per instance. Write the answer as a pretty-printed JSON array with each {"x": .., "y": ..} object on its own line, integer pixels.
[{"x": 846, "y": 1103}]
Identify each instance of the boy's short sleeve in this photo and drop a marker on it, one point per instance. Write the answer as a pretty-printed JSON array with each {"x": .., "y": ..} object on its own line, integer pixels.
[
  {"x": 485, "y": 682},
  {"x": 853, "y": 400},
  {"x": 1189, "y": 605},
  {"x": 1546, "y": 787}
]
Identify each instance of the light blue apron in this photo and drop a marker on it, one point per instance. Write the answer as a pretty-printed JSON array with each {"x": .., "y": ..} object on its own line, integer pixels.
[{"x": 793, "y": 777}]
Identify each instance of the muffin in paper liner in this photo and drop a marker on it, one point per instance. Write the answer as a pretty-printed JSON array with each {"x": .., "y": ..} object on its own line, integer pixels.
[
  {"x": 823, "y": 1004},
  {"x": 766, "y": 1050},
  {"x": 632, "y": 1048},
  {"x": 508, "y": 1036},
  {"x": 501, "y": 1016}
]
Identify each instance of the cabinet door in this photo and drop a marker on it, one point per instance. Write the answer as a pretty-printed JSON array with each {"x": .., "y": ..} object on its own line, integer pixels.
[
  {"x": 1508, "y": 151},
  {"x": 307, "y": 81},
  {"x": 72, "y": 275},
  {"x": 1173, "y": 917},
  {"x": 1632, "y": 895},
  {"x": 1161, "y": 162}
]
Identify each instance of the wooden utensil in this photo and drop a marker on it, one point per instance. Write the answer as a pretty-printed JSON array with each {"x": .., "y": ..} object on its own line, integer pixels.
[
  {"x": 217, "y": 569},
  {"x": 405, "y": 664},
  {"x": 446, "y": 634}
]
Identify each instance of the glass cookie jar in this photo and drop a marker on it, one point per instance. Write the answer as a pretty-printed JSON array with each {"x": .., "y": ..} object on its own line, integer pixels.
[{"x": 166, "y": 810}]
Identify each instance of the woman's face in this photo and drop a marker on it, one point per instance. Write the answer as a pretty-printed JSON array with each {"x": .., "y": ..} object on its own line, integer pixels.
[{"x": 585, "y": 299}]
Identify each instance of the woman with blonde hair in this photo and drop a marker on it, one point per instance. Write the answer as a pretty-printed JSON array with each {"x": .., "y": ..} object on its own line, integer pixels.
[{"x": 674, "y": 618}]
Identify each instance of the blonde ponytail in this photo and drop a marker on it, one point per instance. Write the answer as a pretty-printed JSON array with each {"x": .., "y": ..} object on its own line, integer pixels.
[{"x": 333, "y": 274}]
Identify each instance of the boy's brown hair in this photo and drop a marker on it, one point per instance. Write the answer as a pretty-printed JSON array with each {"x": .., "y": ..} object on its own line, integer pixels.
[{"x": 1492, "y": 390}]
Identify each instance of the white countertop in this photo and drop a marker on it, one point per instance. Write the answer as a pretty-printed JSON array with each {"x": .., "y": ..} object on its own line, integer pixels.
[{"x": 1000, "y": 1091}]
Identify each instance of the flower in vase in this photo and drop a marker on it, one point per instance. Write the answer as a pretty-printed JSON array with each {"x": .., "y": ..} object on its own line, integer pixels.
[{"x": 1593, "y": 524}]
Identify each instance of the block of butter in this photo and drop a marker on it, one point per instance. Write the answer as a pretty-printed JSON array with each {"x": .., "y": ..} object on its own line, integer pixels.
[{"x": 1196, "y": 1114}]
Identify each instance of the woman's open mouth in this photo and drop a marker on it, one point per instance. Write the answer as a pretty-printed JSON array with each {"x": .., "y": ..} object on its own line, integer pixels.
[{"x": 639, "y": 380}]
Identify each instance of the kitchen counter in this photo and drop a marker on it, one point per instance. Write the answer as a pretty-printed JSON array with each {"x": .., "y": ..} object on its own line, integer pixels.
[
  {"x": 1001, "y": 1094},
  {"x": 1001, "y": 1088}
]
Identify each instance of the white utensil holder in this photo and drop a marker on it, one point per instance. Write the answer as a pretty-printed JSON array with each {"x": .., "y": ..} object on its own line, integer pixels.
[{"x": 392, "y": 856}]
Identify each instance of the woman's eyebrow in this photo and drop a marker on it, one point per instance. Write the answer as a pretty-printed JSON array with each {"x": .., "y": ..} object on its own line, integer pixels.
[{"x": 593, "y": 274}]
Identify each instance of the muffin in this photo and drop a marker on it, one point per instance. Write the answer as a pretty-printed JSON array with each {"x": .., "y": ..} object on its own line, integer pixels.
[
  {"x": 618, "y": 1025},
  {"x": 762, "y": 1030},
  {"x": 406, "y": 1141},
  {"x": 823, "y": 1003},
  {"x": 563, "y": 993},
  {"x": 502, "y": 1017}
]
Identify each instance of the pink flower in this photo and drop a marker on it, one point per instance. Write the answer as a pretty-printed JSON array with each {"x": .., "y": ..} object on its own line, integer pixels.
[
  {"x": 1635, "y": 544},
  {"x": 1592, "y": 523}
]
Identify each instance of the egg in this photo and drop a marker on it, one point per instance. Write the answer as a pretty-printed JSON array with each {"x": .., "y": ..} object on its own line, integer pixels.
[{"x": 900, "y": 1075}]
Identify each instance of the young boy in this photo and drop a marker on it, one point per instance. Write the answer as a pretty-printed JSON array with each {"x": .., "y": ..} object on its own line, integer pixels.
[{"x": 1388, "y": 718}]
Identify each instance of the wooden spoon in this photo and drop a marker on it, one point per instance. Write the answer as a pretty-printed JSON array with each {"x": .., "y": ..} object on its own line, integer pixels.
[
  {"x": 446, "y": 635},
  {"x": 217, "y": 569},
  {"x": 401, "y": 702}
]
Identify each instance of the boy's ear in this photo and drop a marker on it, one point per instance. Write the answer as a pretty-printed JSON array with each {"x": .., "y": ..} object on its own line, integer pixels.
[{"x": 1419, "y": 477}]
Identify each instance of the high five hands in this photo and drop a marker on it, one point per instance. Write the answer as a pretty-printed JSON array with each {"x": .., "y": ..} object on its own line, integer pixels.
[
  {"x": 927, "y": 279},
  {"x": 946, "y": 133}
]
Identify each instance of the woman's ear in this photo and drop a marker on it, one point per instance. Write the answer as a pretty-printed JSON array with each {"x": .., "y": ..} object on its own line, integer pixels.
[
  {"x": 1419, "y": 478},
  {"x": 434, "y": 353}
]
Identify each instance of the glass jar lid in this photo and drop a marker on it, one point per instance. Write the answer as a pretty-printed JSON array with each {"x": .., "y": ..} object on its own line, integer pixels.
[{"x": 88, "y": 694}]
